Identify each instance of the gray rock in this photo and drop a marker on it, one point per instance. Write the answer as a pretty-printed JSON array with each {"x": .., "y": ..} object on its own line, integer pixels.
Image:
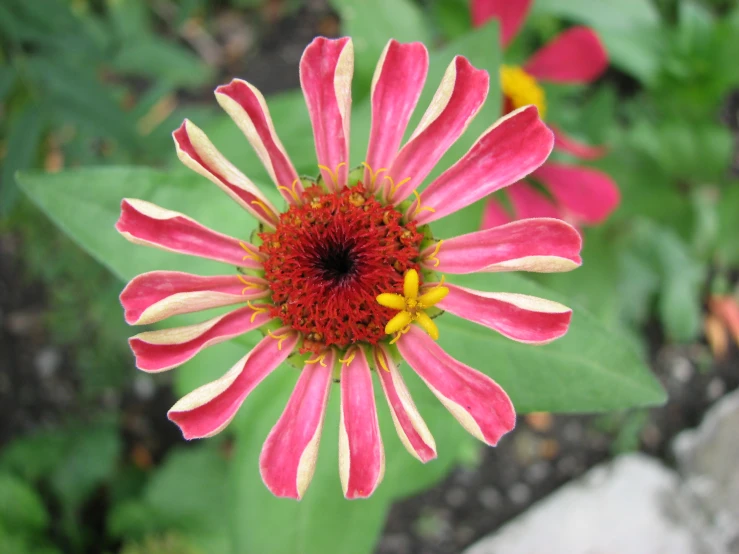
[
  {"x": 708, "y": 459},
  {"x": 628, "y": 506}
]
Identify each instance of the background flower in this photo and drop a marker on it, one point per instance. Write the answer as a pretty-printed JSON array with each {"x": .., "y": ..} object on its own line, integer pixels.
[{"x": 580, "y": 195}]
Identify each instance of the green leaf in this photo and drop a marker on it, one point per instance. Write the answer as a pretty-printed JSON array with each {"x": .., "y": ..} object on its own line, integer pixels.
[
  {"x": 189, "y": 493},
  {"x": 21, "y": 507}
]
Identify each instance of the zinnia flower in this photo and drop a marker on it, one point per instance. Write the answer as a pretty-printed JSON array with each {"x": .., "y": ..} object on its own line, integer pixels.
[
  {"x": 580, "y": 195},
  {"x": 347, "y": 279}
]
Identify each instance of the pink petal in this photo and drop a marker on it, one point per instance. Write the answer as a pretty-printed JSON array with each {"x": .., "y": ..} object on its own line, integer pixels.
[
  {"x": 326, "y": 71},
  {"x": 460, "y": 96},
  {"x": 198, "y": 153},
  {"x": 512, "y": 148},
  {"x": 575, "y": 56},
  {"x": 516, "y": 316},
  {"x": 168, "y": 348},
  {"x": 289, "y": 454},
  {"x": 527, "y": 202},
  {"x": 494, "y": 214},
  {"x": 571, "y": 146},
  {"x": 157, "y": 295},
  {"x": 247, "y": 107},
  {"x": 540, "y": 245},
  {"x": 396, "y": 87},
  {"x": 145, "y": 223},
  {"x": 207, "y": 410},
  {"x": 510, "y": 13},
  {"x": 590, "y": 195},
  {"x": 361, "y": 456},
  {"x": 412, "y": 430},
  {"x": 474, "y": 399}
]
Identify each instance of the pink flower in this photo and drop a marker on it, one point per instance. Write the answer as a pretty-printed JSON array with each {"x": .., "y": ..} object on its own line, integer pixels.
[
  {"x": 580, "y": 195},
  {"x": 338, "y": 280}
]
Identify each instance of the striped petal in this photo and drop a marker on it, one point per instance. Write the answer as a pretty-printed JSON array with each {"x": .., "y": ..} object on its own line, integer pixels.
[
  {"x": 519, "y": 317},
  {"x": 289, "y": 454},
  {"x": 197, "y": 152},
  {"x": 512, "y": 148},
  {"x": 411, "y": 428},
  {"x": 145, "y": 223},
  {"x": 474, "y": 399},
  {"x": 460, "y": 96},
  {"x": 247, "y": 107},
  {"x": 575, "y": 56},
  {"x": 326, "y": 71},
  {"x": 396, "y": 87},
  {"x": 540, "y": 245},
  {"x": 168, "y": 348},
  {"x": 207, "y": 410},
  {"x": 157, "y": 295},
  {"x": 361, "y": 455},
  {"x": 510, "y": 13},
  {"x": 586, "y": 193}
]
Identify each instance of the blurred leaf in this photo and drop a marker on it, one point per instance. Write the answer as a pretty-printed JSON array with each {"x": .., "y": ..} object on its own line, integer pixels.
[
  {"x": 23, "y": 141},
  {"x": 189, "y": 493},
  {"x": 681, "y": 278},
  {"x": 728, "y": 222},
  {"x": 371, "y": 25},
  {"x": 79, "y": 95},
  {"x": 629, "y": 29},
  {"x": 161, "y": 544},
  {"x": 34, "y": 456},
  {"x": 452, "y": 17},
  {"x": 21, "y": 508},
  {"x": 160, "y": 59},
  {"x": 90, "y": 459}
]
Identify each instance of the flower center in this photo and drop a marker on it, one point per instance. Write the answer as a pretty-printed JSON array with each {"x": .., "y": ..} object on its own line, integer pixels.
[
  {"x": 521, "y": 89},
  {"x": 329, "y": 258}
]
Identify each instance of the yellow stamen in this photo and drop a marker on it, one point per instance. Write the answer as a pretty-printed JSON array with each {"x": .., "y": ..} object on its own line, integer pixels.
[
  {"x": 521, "y": 89},
  {"x": 269, "y": 213},
  {"x": 334, "y": 174},
  {"x": 292, "y": 192},
  {"x": 393, "y": 187},
  {"x": 250, "y": 254},
  {"x": 257, "y": 310},
  {"x": 412, "y": 308},
  {"x": 373, "y": 175},
  {"x": 249, "y": 284},
  {"x": 419, "y": 207},
  {"x": 279, "y": 338},
  {"x": 435, "y": 253},
  {"x": 318, "y": 360},
  {"x": 349, "y": 359},
  {"x": 382, "y": 360}
]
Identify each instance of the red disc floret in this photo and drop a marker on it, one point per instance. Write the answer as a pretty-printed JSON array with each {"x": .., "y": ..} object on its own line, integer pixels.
[{"x": 329, "y": 258}]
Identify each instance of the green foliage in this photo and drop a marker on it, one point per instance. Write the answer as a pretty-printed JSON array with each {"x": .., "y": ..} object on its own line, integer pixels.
[
  {"x": 189, "y": 493},
  {"x": 70, "y": 463},
  {"x": 68, "y": 84}
]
